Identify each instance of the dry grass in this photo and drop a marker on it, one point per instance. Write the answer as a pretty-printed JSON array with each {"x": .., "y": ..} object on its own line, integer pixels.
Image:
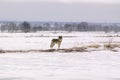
[
  {"x": 93, "y": 46},
  {"x": 111, "y": 46},
  {"x": 75, "y": 49}
]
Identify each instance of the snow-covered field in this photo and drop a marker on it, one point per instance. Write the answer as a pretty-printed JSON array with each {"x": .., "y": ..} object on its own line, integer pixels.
[
  {"x": 27, "y": 41},
  {"x": 92, "y": 65}
]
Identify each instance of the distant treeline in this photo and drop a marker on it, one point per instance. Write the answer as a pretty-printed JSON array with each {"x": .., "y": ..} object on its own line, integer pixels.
[{"x": 81, "y": 26}]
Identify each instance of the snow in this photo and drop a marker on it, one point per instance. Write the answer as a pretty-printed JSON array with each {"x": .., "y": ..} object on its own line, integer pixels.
[
  {"x": 93, "y": 65},
  {"x": 22, "y": 41},
  {"x": 102, "y": 65}
]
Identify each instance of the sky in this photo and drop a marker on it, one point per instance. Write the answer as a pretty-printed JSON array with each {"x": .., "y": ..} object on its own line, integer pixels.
[{"x": 60, "y": 10}]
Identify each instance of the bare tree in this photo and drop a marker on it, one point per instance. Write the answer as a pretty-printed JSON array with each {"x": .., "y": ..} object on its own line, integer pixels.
[
  {"x": 11, "y": 27},
  {"x": 25, "y": 27}
]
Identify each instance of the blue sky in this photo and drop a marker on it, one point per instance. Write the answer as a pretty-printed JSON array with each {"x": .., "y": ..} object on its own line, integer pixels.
[{"x": 60, "y": 10}]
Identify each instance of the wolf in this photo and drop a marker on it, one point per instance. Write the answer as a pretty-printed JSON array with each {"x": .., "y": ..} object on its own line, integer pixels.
[{"x": 56, "y": 41}]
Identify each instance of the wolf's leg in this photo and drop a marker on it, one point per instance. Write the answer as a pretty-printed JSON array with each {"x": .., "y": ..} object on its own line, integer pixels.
[
  {"x": 52, "y": 44},
  {"x": 59, "y": 45}
]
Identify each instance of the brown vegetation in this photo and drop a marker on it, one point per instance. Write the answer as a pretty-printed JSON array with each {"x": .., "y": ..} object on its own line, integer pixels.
[
  {"x": 109, "y": 46},
  {"x": 93, "y": 46}
]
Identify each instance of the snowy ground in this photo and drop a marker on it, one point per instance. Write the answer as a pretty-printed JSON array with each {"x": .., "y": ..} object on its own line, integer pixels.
[
  {"x": 95, "y": 65},
  {"x": 21, "y": 41}
]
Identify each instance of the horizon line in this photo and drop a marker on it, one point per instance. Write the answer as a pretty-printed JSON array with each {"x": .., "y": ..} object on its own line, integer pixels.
[{"x": 58, "y": 21}]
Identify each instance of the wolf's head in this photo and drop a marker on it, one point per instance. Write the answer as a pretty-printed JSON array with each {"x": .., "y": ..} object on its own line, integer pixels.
[{"x": 60, "y": 38}]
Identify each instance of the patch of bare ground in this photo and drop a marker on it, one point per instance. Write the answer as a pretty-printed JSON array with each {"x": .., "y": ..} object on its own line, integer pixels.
[
  {"x": 88, "y": 48},
  {"x": 75, "y": 49},
  {"x": 66, "y": 50}
]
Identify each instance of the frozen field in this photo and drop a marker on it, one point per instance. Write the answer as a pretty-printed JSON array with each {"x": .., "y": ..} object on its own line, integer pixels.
[
  {"x": 101, "y": 64},
  {"x": 28, "y": 41}
]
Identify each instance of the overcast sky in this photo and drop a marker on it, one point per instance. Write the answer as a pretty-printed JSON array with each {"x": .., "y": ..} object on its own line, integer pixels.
[{"x": 60, "y": 10}]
